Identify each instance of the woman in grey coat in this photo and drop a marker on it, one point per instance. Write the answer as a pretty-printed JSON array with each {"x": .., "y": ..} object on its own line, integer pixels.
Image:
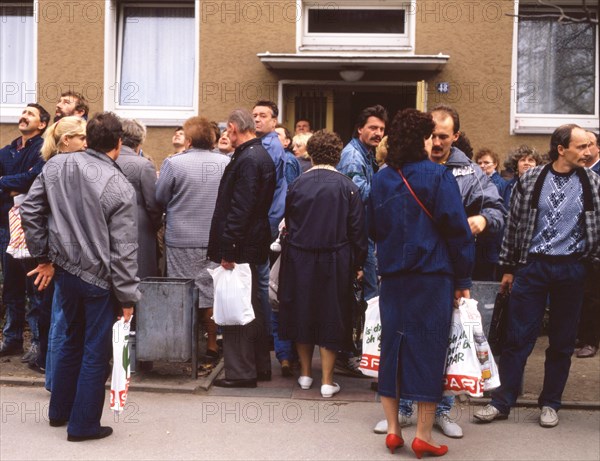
[{"x": 142, "y": 175}]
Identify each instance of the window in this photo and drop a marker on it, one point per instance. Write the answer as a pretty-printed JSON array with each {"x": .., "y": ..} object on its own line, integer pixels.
[
  {"x": 556, "y": 70},
  {"x": 356, "y": 25},
  {"x": 18, "y": 60},
  {"x": 155, "y": 75}
]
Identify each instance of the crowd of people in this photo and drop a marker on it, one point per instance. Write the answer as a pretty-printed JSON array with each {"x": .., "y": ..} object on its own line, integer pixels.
[{"x": 400, "y": 210}]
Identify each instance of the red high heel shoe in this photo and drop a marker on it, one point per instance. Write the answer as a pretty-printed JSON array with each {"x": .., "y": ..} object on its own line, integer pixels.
[
  {"x": 393, "y": 441},
  {"x": 420, "y": 448}
]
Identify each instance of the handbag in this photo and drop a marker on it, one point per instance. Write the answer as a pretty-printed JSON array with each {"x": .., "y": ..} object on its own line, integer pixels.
[
  {"x": 499, "y": 323},
  {"x": 371, "y": 340},
  {"x": 359, "y": 307}
]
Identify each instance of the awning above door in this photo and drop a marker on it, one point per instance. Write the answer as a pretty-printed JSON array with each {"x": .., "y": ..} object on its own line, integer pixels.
[{"x": 305, "y": 61}]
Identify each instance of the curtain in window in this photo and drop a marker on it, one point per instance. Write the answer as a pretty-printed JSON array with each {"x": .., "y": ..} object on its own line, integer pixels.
[
  {"x": 17, "y": 62},
  {"x": 158, "y": 59},
  {"x": 556, "y": 65}
]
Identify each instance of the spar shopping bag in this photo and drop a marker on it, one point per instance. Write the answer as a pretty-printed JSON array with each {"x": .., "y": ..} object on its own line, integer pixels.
[
  {"x": 119, "y": 384},
  {"x": 233, "y": 295},
  {"x": 371, "y": 340},
  {"x": 470, "y": 366}
]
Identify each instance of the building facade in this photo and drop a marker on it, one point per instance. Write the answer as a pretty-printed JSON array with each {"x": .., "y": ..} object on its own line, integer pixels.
[{"x": 513, "y": 73}]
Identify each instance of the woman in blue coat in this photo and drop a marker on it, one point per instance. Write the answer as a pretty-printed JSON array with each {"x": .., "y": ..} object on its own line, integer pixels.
[{"x": 425, "y": 253}]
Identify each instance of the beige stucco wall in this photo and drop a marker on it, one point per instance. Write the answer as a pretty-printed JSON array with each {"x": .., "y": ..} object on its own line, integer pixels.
[{"x": 476, "y": 35}]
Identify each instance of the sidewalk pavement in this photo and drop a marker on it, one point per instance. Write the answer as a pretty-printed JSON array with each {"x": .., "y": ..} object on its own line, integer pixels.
[{"x": 582, "y": 391}]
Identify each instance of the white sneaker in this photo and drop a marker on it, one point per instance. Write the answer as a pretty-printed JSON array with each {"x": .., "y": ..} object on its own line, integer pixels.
[
  {"x": 382, "y": 426},
  {"x": 305, "y": 382},
  {"x": 327, "y": 390},
  {"x": 488, "y": 414},
  {"x": 448, "y": 427},
  {"x": 549, "y": 417}
]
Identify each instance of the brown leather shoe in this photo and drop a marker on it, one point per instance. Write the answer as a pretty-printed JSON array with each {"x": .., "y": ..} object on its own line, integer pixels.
[{"x": 587, "y": 351}]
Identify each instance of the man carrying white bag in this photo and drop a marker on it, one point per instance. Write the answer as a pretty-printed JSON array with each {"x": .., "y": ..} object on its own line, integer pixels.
[
  {"x": 233, "y": 295},
  {"x": 240, "y": 233}
]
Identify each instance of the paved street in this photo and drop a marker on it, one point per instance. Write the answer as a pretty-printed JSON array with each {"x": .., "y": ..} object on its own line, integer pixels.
[{"x": 208, "y": 426}]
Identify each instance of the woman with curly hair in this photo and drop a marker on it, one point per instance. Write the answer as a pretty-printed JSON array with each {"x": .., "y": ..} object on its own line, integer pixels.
[
  {"x": 425, "y": 255},
  {"x": 519, "y": 161},
  {"x": 324, "y": 249}
]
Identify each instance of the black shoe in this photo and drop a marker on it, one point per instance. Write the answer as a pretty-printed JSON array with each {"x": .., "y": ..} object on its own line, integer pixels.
[
  {"x": 286, "y": 369},
  {"x": 10, "y": 349},
  {"x": 58, "y": 422},
  {"x": 263, "y": 376},
  {"x": 105, "y": 431},
  {"x": 35, "y": 367},
  {"x": 248, "y": 383}
]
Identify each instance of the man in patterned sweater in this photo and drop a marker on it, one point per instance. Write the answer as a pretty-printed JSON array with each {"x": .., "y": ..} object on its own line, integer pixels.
[{"x": 552, "y": 233}]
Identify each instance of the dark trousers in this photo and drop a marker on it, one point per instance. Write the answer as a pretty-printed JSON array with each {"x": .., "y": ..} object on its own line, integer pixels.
[
  {"x": 81, "y": 368},
  {"x": 16, "y": 286},
  {"x": 560, "y": 280},
  {"x": 589, "y": 325},
  {"x": 246, "y": 347}
]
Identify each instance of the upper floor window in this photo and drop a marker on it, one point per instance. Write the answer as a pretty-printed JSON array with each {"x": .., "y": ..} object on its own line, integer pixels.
[
  {"x": 155, "y": 75},
  {"x": 356, "y": 25},
  {"x": 556, "y": 71},
  {"x": 18, "y": 58}
]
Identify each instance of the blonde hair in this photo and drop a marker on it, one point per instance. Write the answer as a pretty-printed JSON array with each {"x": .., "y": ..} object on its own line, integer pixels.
[
  {"x": 66, "y": 127},
  {"x": 381, "y": 151},
  {"x": 301, "y": 140}
]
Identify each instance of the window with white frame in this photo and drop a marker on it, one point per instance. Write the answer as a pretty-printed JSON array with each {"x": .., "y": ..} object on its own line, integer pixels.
[
  {"x": 155, "y": 71},
  {"x": 18, "y": 58},
  {"x": 556, "y": 70},
  {"x": 357, "y": 25}
]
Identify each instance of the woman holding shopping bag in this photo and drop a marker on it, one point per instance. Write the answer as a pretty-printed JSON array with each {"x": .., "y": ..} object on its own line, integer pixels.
[
  {"x": 323, "y": 250},
  {"x": 425, "y": 254}
]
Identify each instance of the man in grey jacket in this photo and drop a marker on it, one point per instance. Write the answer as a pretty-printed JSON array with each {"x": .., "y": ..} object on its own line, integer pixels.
[{"x": 80, "y": 222}]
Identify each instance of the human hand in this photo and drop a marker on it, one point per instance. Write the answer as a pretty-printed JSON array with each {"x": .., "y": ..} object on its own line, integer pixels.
[
  {"x": 477, "y": 224},
  {"x": 359, "y": 275},
  {"x": 465, "y": 293},
  {"x": 227, "y": 265},
  {"x": 506, "y": 283},
  {"x": 45, "y": 272},
  {"x": 127, "y": 313}
]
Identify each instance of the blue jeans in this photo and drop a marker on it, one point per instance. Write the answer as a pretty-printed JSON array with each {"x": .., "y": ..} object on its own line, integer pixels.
[
  {"x": 443, "y": 408},
  {"x": 16, "y": 286},
  {"x": 81, "y": 368},
  {"x": 56, "y": 338},
  {"x": 370, "y": 284},
  {"x": 562, "y": 281},
  {"x": 284, "y": 349},
  {"x": 263, "y": 294}
]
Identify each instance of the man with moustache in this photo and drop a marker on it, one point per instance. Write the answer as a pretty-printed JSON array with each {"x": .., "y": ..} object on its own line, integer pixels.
[
  {"x": 358, "y": 163},
  {"x": 20, "y": 163},
  {"x": 71, "y": 104},
  {"x": 552, "y": 233}
]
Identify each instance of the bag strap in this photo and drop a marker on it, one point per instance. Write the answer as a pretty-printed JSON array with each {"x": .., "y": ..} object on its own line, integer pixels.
[{"x": 414, "y": 195}]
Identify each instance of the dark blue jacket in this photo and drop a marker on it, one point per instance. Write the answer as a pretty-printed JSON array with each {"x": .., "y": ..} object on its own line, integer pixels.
[
  {"x": 407, "y": 239},
  {"x": 18, "y": 169}
]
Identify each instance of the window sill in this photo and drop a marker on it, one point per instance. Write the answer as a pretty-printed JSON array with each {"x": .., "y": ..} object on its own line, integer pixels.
[
  {"x": 157, "y": 117},
  {"x": 546, "y": 124}
]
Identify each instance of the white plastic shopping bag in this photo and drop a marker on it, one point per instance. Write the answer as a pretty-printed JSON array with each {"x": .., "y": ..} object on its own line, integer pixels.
[
  {"x": 119, "y": 384},
  {"x": 233, "y": 295},
  {"x": 17, "y": 247},
  {"x": 470, "y": 366},
  {"x": 371, "y": 340}
]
